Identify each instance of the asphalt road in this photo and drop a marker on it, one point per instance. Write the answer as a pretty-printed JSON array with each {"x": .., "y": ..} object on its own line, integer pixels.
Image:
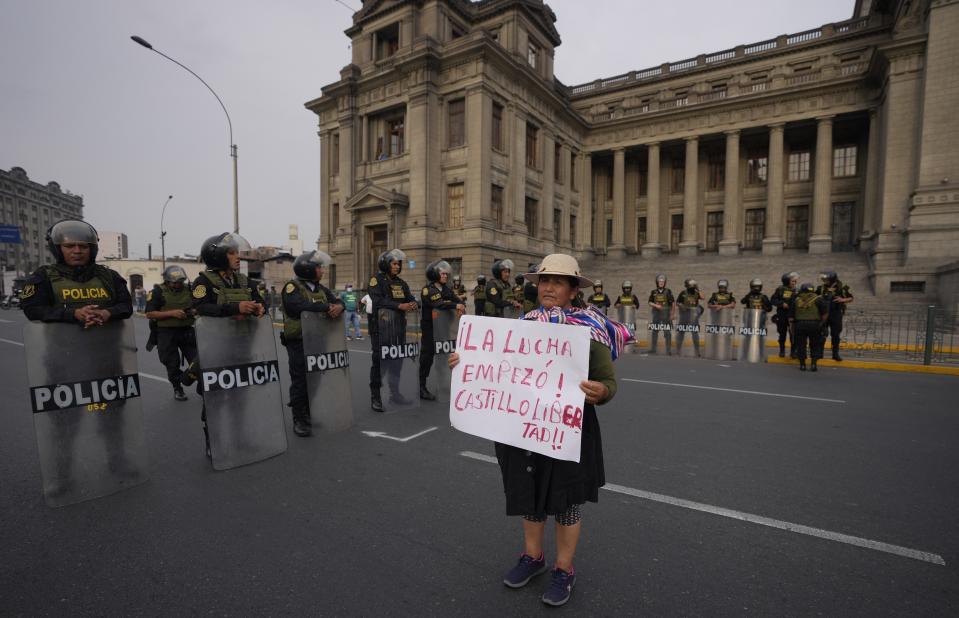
[{"x": 709, "y": 490}]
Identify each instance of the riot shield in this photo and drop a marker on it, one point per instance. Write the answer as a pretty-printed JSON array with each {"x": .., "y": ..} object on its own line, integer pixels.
[
  {"x": 752, "y": 345},
  {"x": 688, "y": 324},
  {"x": 398, "y": 350},
  {"x": 327, "y": 371},
  {"x": 88, "y": 416},
  {"x": 240, "y": 383},
  {"x": 445, "y": 326},
  {"x": 719, "y": 334},
  {"x": 660, "y": 324},
  {"x": 512, "y": 313}
]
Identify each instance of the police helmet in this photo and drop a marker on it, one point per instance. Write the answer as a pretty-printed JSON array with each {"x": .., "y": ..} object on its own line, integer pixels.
[
  {"x": 830, "y": 276},
  {"x": 435, "y": 269},
  {"x": 806, "y": 287},
  {"x": 72, "y": 230},
  {"x": 456, "y": 279},
  {"x": 597, "y": 284},
  {"x": 662, "y": 277},
  {"x": 305, "y": 265},
  {"x": 722, "y": 284},
  {"x": 500, "y": 265},
  {"x": 174, "y": 274},
  {"x": 787, "y": 277},
  {"x": 518, "y": 279},
  {"x": 690, "y": 284},
  {"x": 627, "y": 285},
  {"x": 215, "y": 249},
  {"x": 756, "y": 285},
  {"x": 387, "y": 257},
  {"x": 481, "y": 279}
]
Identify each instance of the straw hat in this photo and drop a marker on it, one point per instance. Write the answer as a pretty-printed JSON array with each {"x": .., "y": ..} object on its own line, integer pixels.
[{"x": 559, "y": 264}]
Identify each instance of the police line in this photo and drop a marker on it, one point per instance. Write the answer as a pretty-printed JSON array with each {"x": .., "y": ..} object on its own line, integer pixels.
[{"x": 103, "y": 390}]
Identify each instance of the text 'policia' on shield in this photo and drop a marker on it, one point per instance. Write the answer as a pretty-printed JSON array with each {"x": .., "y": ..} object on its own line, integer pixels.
[
  {"x": 240, "y": 376},
  {"x": 70, "y": 395}
]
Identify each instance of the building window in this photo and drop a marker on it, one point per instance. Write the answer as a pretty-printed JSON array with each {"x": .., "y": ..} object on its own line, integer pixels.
[
  {"x": 335, "y": 154},
  {"x": 843, "y": 219},
  {"x": 797, "y": 227},
  {"x": 756, "y": 169},
  {"x": 335, "y": 216},
  {"x": 454, "y": 204},
  {"x": 532, "y": 140},
  {"x": 532, "y": 208},
  {"x": 641, "y": 231},
  {"x": 675, "y": 232},
  {"x": 456, "y": 31},
  {"x": 682, "y": 98},
  {"x": 389, "y": 132},
  {"x": 532, "y": 55},
  {"x": 457, "y": 123},
  {"x": 717, "y": 171},
  {"x": 387, "y": 41},
  {"x": 572, "y": 230},
  {"x": 497, "y": 127},
  {"x": 755, "y": 228},
  {"x": 844, "y": 162},
  {"x": 572, "y": 173},
  {"x": 799, "y": 166},
  {"x": 557, "y": 224},
  {"x": 609, "y": 231},
  {"x": 678, "y": 176},
  {"x": 557, "y": 159},
  {"x": 714, "y": 230},
  {"x": 496, "y": 206}
]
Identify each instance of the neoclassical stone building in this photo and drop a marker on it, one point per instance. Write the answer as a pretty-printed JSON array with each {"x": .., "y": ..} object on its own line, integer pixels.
[{"x": 449, "y": 136}]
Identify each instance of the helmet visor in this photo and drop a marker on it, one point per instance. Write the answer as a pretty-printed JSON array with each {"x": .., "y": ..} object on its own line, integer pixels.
[
  {"x": 506, "y": 265},
  {"x": 73, "y": 232},
  {"x": 443, "y": 267},
  {"x": 235, "y": 242},
  {"x": 174, "y": 274},
  {"x": 319, "y": 258},
  {"x": 396, "y": 255}
]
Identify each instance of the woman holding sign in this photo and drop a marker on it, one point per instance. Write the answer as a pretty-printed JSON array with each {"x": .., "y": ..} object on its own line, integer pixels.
[{"x": 538, "y": 486}]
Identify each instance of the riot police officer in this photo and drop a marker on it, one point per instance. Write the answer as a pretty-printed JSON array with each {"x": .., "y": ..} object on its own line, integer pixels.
[
  {"x": 627, "y": 298},
  {"x": 304, "y": 292},
  {"x": 599, "y": 299},
  {"x": 222, "y": 291},
  {"x": 755, "y": 299},
  {"x": 837, "y": 294},
  {"x": 518, "y": 289},
  {"x": 479, "y": 295},
  {"x": 530, "y": 294},
  {"x": 688, "y": 302},
  {"x": 459, "y": 289},
  {"x": 807, "y": 313},
  {"x": 436, "y": 296},
  {"x": 722, "y": 298},
  {"x": 389, "y": 293},
  {"x": 782, "y": 301},
  {"x": 661, "y": 300},
  {"x": 75, "y": 288},
  {"x": 498, "y": 292},
  {"x": 170, "y": 311}
]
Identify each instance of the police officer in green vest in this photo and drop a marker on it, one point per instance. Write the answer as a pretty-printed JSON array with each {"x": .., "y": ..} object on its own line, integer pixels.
[
  {"x": 75, "y": 289},
  {"x": 807, "y": 314},
  {"x": 837, "y": 294},
  {"x": 459, "y": 289},
  {"x": 688, "y": 301},
  {"x": 782, "y": 300},
  {"x": 599, "y": 299},
  {"x": 499, "y": 293},
  {"x": 304, "y": 293},
  {"x": 627, "y": 298},
  {"x": 661, "y": 301},
  {"x": 722, "y": 298},
  {"x": 756, "y": 299},
  {"x": 479, "y": 295},
  {"x": 222, "y": 291},
  {"x": 436, "y": 296},
  {"x": 170, "y": 311}
]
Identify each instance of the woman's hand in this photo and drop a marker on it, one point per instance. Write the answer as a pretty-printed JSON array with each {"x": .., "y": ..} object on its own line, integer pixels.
[
  {"x": 454, "y": 360},
  {"x": 595, "y": 391}
]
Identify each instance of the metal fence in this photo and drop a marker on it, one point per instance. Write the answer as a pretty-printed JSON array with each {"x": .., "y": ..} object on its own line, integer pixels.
[{"x": 903, "y": 335}]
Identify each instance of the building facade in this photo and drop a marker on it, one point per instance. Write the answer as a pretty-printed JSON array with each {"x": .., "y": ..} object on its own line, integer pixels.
[
  {"x": 448, "y": 135},
  {"x": 113, "y": 245},
  {"x": 32, "y": 207}
]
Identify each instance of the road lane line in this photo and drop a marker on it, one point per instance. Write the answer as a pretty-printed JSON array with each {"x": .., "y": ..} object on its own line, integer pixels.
[
  {"x": 7, "y": 321},
  {"x": 382, "y": 434},
  {"x": 828, "y": 535},
  {"x": 734, "y": 390},
  {"x": 153, "y": 377},
  {"x": 360, "y": 351},
  {"x": 12, "y": 342}
]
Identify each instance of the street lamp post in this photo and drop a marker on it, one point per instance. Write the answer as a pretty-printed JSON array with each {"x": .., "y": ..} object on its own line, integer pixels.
[
  {"x": 163, "y": 232},
  {"x": 236, "y": 198}
]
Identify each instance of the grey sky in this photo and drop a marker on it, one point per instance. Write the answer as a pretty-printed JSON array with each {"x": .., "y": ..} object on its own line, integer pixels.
[{"x": 83, "y": 105}]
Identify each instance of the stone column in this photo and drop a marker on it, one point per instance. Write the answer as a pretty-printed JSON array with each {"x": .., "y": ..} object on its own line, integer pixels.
[
  {"x": 327, "y": 233},
  {"x": 652, "y": 248},
  {"x": 479, "y": 145},
  {"x": 346, "y": 159},
  {"x": 870, "y": 199},
  {"x": 820, "y": 241},
  {"x": 690, "y": 243},
  {"x": 773, "y": 241},
  {"x": 618, "y": 248},
  {"x": 515, "y": 197},
  {"x": 729, "y": 245},
  {"x": 549, "y": 187},
  {"x": 421, "y": 146},
  {"x": 585, "y": 218},
  {"x": 564, "y": 160}
]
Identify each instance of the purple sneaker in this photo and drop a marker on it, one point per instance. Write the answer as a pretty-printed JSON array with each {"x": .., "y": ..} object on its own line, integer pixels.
[
  {"x": 560, "y": 587},
  {"x": 526, "y": 569}
]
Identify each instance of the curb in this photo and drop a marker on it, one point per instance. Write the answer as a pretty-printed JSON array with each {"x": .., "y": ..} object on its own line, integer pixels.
[{"x": 856, "y": 364}]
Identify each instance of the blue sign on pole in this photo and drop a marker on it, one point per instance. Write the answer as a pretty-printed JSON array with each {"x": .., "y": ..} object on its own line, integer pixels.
[{"x": 10, "y": 234}]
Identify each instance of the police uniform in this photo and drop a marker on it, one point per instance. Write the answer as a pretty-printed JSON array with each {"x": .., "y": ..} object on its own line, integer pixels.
[
  {"x": 174, "y": 336},
  {"x": 387, "y": 292},
  {"x": 689, "y": 300},
  {"x": 301, "y": 295},
  {"x": 664, "y": 297},
  {"x": 479, "y": 299},
  {"x": 756, "y": 300},
  {"x": 460, "y": 291},
  {"x": 54, "y": 292},
  {"x": 829, "y": 292},
  {"x": 600, "y": 300},
  {"x": 499, "y": 296},
  {"x": 721, "y": 299},
  {"x": 530, "y": 297},
  {"x": 627, "y": 300},
  {"x": 432, "y": 299},
  {"x": 784, "y": 295},
  {"x": 807, "y": 313}
]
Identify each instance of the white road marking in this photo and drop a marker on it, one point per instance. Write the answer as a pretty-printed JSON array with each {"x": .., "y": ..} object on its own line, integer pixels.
[
  {"x": 722, "y": 365},
  {"x": 153, "y": 377},
  {"x": 360, "y": 351},
  {"x": 380, "y": 434},
  {"x": 734, "y": 390},
  {"x": 7, "y": 321},
  {"x": 12, "y": 342},
  {"x": 838, "y": 537}
]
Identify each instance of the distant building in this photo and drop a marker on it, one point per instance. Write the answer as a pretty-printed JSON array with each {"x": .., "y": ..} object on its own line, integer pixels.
[
  {"x": 32, "y": 207},
  {"x": 149, "y": 272},
  {"x": 296, "y": 245},
  {"x": 113, "y": 245}
]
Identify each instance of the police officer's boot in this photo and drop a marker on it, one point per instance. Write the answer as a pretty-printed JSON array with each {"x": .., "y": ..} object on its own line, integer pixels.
[
  {"x": 835, "y": 353},
  {"x": 669, "y": 349},
  {"x": 375, "y": 402},
  {"x": 302, "y": 426},
  {"x": 802, "y": 364},
  {"x": 782, "y": 350},
  {"x": 813, "y": 366},
  {"x": 178, "y": 393},
  {"x": 425, "y": 393}
]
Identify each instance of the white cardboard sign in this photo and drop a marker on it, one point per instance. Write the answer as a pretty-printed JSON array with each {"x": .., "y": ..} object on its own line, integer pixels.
[{"x": 517, "y": 383}]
